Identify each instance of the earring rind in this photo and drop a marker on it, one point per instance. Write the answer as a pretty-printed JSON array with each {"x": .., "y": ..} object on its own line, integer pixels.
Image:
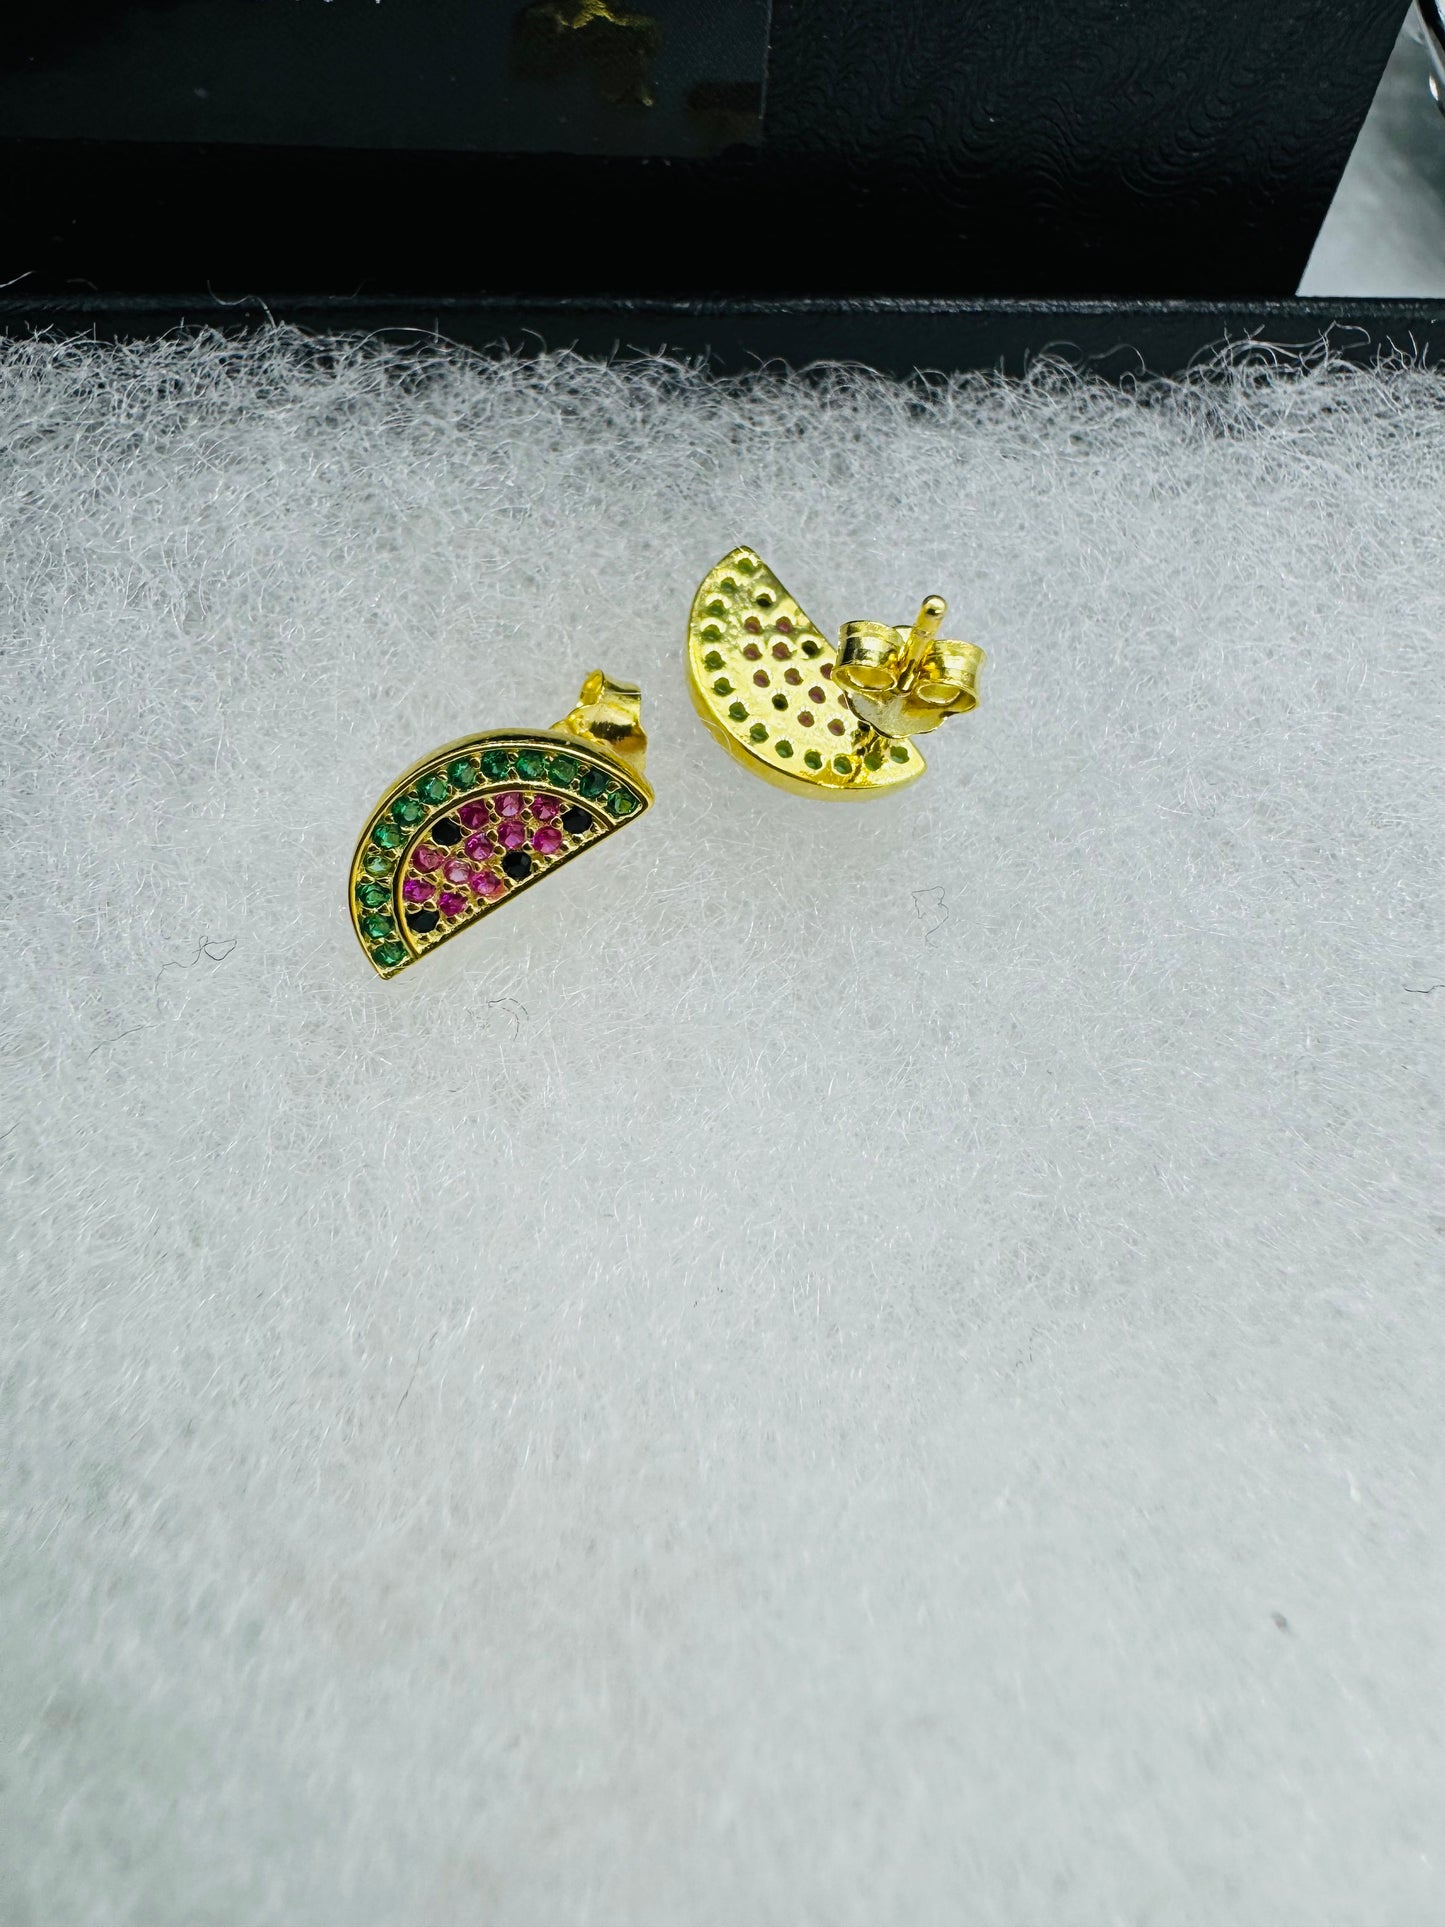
[
  {"x": 761, "y": 676},
  {"x": 470, "y": 826}
]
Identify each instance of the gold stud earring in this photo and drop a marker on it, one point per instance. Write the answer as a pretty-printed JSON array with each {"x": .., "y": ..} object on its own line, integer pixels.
[
  {"x": 803, "y": 715},
  {"x": 466, "y": 828}
]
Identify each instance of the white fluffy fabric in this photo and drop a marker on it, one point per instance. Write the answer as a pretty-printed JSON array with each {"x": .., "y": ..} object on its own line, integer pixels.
[{"x": 833, "y": 1364}]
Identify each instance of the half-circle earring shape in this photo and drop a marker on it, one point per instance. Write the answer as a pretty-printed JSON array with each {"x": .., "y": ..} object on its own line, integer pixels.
[
  {"x": 808, "y": 717},
  {"x": 464, "y": 830}
]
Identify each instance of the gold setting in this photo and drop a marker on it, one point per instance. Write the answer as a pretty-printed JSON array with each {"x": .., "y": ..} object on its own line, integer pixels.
[
  {"x": 807, "y": 717},
  {"x": 461, "y": 832}
]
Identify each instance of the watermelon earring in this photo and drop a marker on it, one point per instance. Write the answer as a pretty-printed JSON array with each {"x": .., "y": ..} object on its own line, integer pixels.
[
  {"x": 803, "y": 715},
  {"x": 472, "y": 824}
]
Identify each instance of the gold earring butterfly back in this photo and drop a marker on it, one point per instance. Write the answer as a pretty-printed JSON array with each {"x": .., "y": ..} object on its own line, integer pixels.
[
  {"x": 462, "y": 831},
  {"x": 806, "y": 716}
]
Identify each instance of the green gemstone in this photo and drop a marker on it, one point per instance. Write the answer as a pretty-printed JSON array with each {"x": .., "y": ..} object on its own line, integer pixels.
[
  {"x": 746, "y": 565},
  {"x": 377, "y": 927},
  {"x": 622, "y": 802},
  {"x": 780, "y": 701},
  {"x": 371, "y": 896},
  {"x": 712, "y": 634},
  {"x": 389, "y": 955},
  {"x": 717, "y": 607},
  {"x": 873, "y": 760},
  {"x": 496, "y": 765},
  {"x": 811, "y": 648},
  {"x": 388, "y": 836},
  {"x": 738, "y": 712},
  {"x": 722, "y": 687},
  {"x": 783, "y": 749},
  {"x": 564, "y": 770},
  {"x": 434, "y": 788},
  {"x": 462, "y": 774},
  {"x": 406, "y": 809},
  {"x": 377, "y": 863},
  {"x": 593, "y": 781},
  {"x": 758, "y": 733},
  {"x": 812, "y": 759},
  {"x": 531, "y": 765},
  {"x": 843, "y": 764},
  {"x": 899, "y": 753},
  {"x": 713, "y": 659}
]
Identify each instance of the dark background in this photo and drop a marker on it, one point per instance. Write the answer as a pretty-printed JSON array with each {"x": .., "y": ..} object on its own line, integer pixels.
[
  {"x": 1106, "y": 148},
  {"x": 655, "y": 77}
]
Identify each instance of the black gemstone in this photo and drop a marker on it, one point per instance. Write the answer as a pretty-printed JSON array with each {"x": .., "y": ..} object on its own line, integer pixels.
[
  {"x": 422, "y": 920},
  {"x": 576, "y": 822},
  {"x": 446, "y": 830},
  {"x": 517, "y": 865}
]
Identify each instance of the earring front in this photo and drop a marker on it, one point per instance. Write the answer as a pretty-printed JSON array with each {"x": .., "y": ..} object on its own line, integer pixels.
[
  {"x": 803, "y": 715},
  {"x": 462, "y": 831}
]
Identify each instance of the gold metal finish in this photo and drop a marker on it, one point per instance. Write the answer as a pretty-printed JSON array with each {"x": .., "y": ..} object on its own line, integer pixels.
[
  {"x": 804, "y": 716},
  {"x": 469, "y": 826},
  {"x": 610, "y": 715},
  {"x": 906, "y": 681}
]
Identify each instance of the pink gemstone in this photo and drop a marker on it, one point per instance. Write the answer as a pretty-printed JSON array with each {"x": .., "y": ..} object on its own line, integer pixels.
[
  {"x": 428, "y": 857},
  {"x": 458, "y": 870},
  {"x": 544, "y": 808},
  {"x": 509, "y": 803},
  {"x": 450, "y": 904},
  {"x": 473, "y": 815},
  {"x": 415, "y": 891},
  {"x": 547, "y": 841},
  {"x": 512, "y": 835},
  {"x": 479, "y": 845},
  {"x": 488, "y": 884}
]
